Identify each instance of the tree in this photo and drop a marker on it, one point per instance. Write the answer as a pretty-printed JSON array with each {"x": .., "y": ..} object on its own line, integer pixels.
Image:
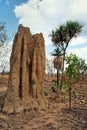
[
  {"x": 3, "y": 38},
  {"x": 62, "y": 35},
  {"x": 50, "y": 67},
  {"x": 3, "y": 33},
  {"x": 82, "y": 66},
  {"x": 5, "y": 52},
  {"x": 72, "y": 62},
  {"x": 57, "y": 62}
]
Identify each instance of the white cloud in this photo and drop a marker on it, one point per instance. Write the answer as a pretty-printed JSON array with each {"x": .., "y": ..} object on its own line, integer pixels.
[
  {"x": 29, "y": 15},
  {"x": 79, "y": 8},
  {"x": 43, "y": 16},
  {"x": 78, "y": 41},
  {"x": 76, "y": 10},
  {"x": 80, "y": 52}
]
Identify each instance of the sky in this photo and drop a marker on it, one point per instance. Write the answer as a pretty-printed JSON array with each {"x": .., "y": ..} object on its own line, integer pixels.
[{"x": 44, "y": 16}]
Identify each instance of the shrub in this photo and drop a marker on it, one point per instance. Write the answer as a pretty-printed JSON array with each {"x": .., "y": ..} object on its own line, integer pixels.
[{"x": 45, "y": 92}]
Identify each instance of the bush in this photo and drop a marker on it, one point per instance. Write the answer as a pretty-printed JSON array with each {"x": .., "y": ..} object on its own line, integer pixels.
[{"x": 45, "y": 92}]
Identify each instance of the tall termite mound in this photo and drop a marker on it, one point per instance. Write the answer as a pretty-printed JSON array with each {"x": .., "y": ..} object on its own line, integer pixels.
[{"x": 27, "y": 72}]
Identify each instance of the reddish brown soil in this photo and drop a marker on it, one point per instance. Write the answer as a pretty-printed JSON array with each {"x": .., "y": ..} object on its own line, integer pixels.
[{"x": 56, "y": 117}]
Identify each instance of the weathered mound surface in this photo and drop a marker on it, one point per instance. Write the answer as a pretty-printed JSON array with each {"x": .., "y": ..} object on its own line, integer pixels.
[{"x": 27, "y": 71}]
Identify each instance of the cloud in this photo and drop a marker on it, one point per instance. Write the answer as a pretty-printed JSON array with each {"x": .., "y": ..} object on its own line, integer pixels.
[
  {"x": 29, "y": 15},
  {"x": 80, "y": 52},
  {"x": 43, "y": 16},
  {"x": 78, "y": 41},
  {"x": 79, "y": 8}
]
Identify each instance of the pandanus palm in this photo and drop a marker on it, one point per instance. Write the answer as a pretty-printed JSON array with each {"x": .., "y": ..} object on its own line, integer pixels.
[
  {"x": 62, "y": 35},
  {"x": 57, "y": 62}
]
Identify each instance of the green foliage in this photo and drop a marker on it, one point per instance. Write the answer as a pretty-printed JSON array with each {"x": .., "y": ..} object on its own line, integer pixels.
[
  {"x": 57, "y": 52},
  {"x": 74, "y": 93},
  {"x": 83, "y": 65},
  {"x": 57, "y": 87},
  {"x": 57, "y": 58},
  {"x": 66, "y": 86},
  {"x": 73, "y": 28},
  {"x": 72, "y": 69},
  {"x": 62, "y": 35},
  {"x": 45, "y": 92},
  {"x": 57, "y": 61},
  {"x": 72, "y": 59}
]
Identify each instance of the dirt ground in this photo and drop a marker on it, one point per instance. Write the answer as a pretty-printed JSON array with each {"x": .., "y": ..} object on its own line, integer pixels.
[{"x": 56, "y": 117}]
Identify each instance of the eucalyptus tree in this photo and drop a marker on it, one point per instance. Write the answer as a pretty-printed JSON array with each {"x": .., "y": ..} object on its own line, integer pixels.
[
  {"x": 49, "y": 67},
  {"x": 3, "y": 33},
  {"x": 3, "y": 49},
  {"x": 82, "y": 67},
  {"x": 62, "y": 35},
  {"x": 72, "y": 72}
]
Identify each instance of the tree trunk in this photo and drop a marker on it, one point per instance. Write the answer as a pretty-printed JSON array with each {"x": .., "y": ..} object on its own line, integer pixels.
[
  {"x": 62, "y": 70},
  {"x": 63, "y": 62},
  {"x": 70, "y": 95},
  {"x": 57, "y": 78}
]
